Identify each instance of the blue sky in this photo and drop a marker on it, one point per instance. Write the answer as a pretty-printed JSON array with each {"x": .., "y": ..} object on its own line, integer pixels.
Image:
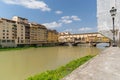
[{"x": 75, "y": 16}]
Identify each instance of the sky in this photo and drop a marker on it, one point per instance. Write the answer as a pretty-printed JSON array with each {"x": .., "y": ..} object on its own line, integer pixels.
[{"x": 75, "y": 16}]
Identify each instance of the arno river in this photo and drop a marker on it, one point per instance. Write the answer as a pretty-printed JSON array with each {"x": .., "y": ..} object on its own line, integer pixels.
[{"x": 20, "y": 64}]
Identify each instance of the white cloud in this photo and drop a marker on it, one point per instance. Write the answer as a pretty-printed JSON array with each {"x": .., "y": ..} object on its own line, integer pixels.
[
  {"x": 69, "y": 19},
  {"x": 76, "y": 18},
  {"x": 32, "y": 4},
  {"x": 58, "y": 12},
  {"x": 66, "y": 21},
  {"x": 52, "y": 25},
  {"x": 63, "y": 20},
  {"x": 65, "y": 17},
  {"x": 85, "y": 29}
]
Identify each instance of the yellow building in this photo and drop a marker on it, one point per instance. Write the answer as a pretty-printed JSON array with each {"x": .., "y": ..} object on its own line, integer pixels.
[
  {"x": 32, "y": 33},
  {"x": 38, "y": 33},
  {"x": 12, "y": 32},
  {"x": 20, "y": 26},
  {"x": 7, "y": 33},
  {"x": 52, "y": 36},
  {"x": 20, "y": 19},
  {"x": 20, "y": 32}
]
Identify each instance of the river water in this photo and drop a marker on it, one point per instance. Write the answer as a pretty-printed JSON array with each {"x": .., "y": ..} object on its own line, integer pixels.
[{"x": 20, "y": 64}]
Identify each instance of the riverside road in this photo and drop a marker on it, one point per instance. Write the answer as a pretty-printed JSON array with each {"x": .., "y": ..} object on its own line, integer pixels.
[{"x": 105, "y": 66}]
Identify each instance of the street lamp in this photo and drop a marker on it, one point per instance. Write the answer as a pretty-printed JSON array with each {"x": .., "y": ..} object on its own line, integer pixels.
[{"x": 113, "y": 13}]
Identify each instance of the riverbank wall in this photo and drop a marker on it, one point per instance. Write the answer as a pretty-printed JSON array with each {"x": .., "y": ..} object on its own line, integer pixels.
[{"x": 104, "y": 66}]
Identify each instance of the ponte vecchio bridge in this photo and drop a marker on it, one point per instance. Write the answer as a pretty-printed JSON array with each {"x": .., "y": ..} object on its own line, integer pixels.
[{"x": 92, "y": 38}]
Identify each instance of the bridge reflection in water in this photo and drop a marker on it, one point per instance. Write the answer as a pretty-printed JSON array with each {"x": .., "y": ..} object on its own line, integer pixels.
[{"x": 85, "y": 38}]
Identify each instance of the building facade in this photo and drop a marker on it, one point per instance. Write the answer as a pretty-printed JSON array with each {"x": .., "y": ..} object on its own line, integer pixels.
[
  {"x": 52, "y": 36},
  {"x": 104, "y": 19},
  {"x": 8, "y": 33},
  {"x": 19, "y": 31},
  {"x": 38, "y": 33}
]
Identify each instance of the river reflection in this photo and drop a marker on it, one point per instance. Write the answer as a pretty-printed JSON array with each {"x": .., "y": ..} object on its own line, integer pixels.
[{"x": 20, "y": 64}]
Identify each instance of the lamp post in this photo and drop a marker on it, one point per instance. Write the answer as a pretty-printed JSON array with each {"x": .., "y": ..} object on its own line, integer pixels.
[{"x": 113, "y": 13}]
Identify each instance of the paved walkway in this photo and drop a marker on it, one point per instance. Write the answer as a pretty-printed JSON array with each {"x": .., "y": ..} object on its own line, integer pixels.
[{"x": 105, "y": 66}]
